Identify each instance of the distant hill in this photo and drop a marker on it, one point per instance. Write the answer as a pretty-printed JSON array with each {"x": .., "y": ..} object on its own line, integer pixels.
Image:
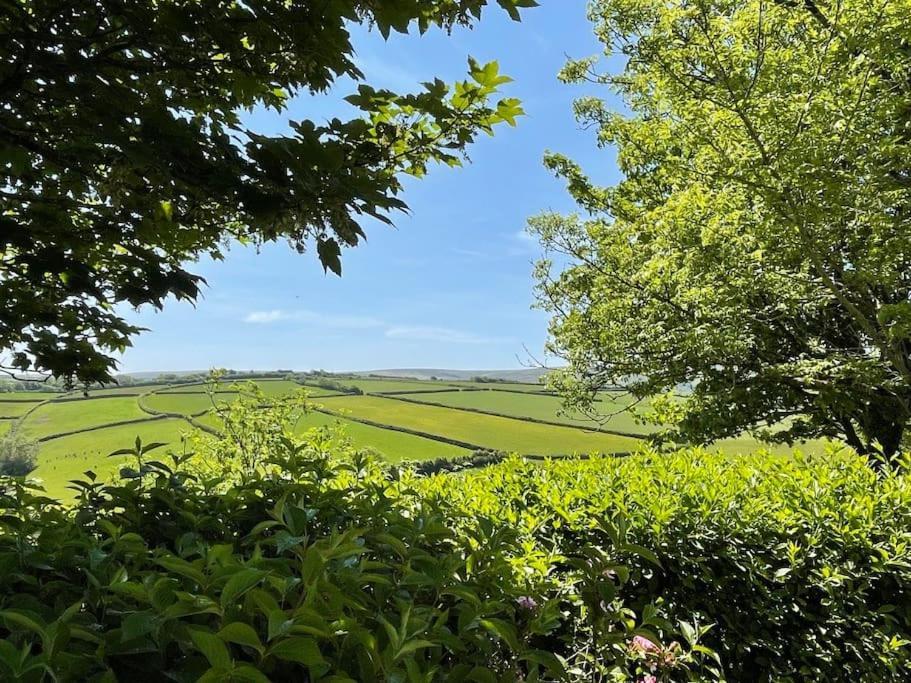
[{"x": 529, "y": 375}]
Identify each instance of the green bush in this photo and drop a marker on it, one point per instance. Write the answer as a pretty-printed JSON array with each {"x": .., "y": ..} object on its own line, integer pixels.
[
  {"x": 802, "y": 567},
  {"x": 18, "y": 454},
  {"x": 319, "y": 569}
]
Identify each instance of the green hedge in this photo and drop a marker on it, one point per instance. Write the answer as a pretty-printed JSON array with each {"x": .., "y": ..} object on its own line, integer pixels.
[
  {"x": 801, "y": 566},
  {"x": 319, "y": 567}
]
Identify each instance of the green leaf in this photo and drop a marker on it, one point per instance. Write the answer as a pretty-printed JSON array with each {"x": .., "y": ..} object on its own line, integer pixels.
[
  {"x": 329, "y": 255},
  {"x": 213, "y": 649},
  {"x": 137, "y": 624},
  {"x": 299, "y": 649},
  {"x": 241, "y": 634},
  {"x": 503, "y": 630},
  {"x": 239, "y": 583}
]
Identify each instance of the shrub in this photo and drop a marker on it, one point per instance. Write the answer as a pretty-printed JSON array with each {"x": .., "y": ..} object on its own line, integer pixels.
[
  {"x": 802, "y": 566},
  {"x": 18, "y": 454}
]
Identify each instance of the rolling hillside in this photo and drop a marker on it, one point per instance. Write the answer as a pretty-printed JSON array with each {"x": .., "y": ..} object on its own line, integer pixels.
[{"x": 399, "y": 418}]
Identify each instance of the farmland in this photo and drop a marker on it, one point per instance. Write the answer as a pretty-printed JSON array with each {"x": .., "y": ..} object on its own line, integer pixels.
[{"x": 400, "y": 419}]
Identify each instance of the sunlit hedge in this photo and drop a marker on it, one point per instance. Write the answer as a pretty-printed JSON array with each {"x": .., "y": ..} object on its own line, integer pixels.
[
  {"x": 802, "y": 567},
  {"x": 316, "y": 563}
]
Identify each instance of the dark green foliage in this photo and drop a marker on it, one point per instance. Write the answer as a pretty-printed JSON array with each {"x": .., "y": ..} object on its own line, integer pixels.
[
  {"x": 330, "y": 384},
  {"x": 479, "y": 458},
  {"x": 123, "y": 155},
  {"x": 320, "y": 570}
]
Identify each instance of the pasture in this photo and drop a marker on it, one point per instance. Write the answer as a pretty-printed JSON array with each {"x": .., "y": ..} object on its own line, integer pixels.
[
  {"x": 394, "y": 418},
  {"x": 483, "y": 431},
  {"x": 79, "y": 414},
  {"x": 612, "y": 413}
]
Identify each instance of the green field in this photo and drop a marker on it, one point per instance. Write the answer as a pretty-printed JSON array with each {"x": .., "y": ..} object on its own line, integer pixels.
[
  {"x": 195, "y": 389},
  {"x": 15, "y": 408},
  {"x": 28, "y": 396},
  {"x": 487, "y": 431},
  {"x": 524, "y": 387},
  {"x": 428, "y": 427},
  {"x": 381, "y": 386},
  {"x": 538, "y": 407},
  {"x": 393, "y": 445},
  {"x": 61, "y": 460},
  {"x": 67, "y": 416},
  {"x": 183, "y": 404},
  {"x": 115, "y": 391}
]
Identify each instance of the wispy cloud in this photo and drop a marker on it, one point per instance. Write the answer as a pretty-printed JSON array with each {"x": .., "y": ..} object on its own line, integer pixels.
[
  {"x": 424, "y": 333},
  {"x": 314, "y": 318},
  {"x": 388, "y": 74},
  {"x": 263, "y": 317},
  {"x": 442, "y": 335}
]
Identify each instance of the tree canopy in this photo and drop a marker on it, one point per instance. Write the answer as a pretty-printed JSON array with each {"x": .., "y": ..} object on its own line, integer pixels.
[
  {"x": 124, "y": 154},
  {"x": 757, "y": 249}
]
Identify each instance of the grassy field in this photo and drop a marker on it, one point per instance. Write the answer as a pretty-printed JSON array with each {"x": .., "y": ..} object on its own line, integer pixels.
[
  {"x": 537, "y": 407},
  {"x": 28, "y": 396},
  {"x": 381, "y": 386},
  {"x": 66, "y": 457},
  {"x": 53, "y": 418},
  {"x": 15, "y": 408},
  {"x": 498, "y": 433},
  {"x": 61, "y": 460},
  {"x": 394, "y": 446},
  {"x": 114, "y": 391},
  {"x": 183, "y": 404},
  {"x": 502, "y": 386},
  {"x": 195, "y": 389}
]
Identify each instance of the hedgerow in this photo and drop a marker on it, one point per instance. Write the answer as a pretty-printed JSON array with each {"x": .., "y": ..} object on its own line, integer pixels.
[
  {"x": 259, "y": 555},
  {"x": 802, "y": 566}
]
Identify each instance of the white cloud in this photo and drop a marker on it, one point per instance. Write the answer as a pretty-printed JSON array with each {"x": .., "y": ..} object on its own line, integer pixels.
[
  {"x": 440, "y": 334},
  {"x": 314, "y": 318},
  {"x": 262, "y": 317}
]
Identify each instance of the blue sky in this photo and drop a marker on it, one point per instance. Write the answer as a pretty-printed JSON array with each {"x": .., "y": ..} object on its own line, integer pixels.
[{"x": 450, "y": 286}]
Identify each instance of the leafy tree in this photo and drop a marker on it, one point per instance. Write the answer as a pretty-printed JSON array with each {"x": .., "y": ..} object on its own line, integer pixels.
[
  {"x": 123, "y": 153},
  {"x": 18, "y": 454},
  {"x": 758, "y": 246}
]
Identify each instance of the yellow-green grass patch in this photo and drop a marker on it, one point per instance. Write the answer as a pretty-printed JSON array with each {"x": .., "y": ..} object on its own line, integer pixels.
[
  {"x": 64, "y": 459},
  {"x": 537, "y": 407},
  {"x": 16, "y": 408},
  {"x": 114, "y": 391},
  {"x": 502, "y": 386},
  {"x": 183, "y": 404},
  {"x": 28, "y": 396},
  {"x": 498, "y": 433},
  {"x": 392, "y": 445},
  {"x": 380, "y": 386},
  {"x": 746, "y": 444},
  {"x": 197, "y": 389},
  {"x": 68, "y": 416}
]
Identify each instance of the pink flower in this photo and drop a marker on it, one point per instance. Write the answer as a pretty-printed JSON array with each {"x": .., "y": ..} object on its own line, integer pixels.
[
  {"x": 526, "y": 602},
  {"x": 644, "y": 644},
  {"x": 648, "y": 678}
]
